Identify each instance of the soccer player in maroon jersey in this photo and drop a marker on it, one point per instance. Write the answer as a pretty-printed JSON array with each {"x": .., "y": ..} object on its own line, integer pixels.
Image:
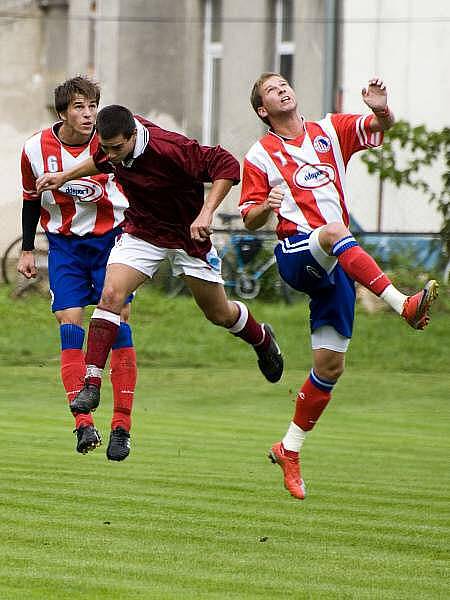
[
  {"x": 162, "y": 173},
  {"x": 81, "y": 221},
  {"x": 297, "y": 171}
]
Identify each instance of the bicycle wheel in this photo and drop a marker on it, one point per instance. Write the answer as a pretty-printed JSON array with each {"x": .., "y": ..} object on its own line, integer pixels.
[
  {"x": 247, "y": 287},
  {"x": 9, "y": 266},
  {"x": 165, "y": 281},
  {"x": 273, "y": 287},
  {"x": 228, "y": 275},
  {"x": 176, "y": 286}
]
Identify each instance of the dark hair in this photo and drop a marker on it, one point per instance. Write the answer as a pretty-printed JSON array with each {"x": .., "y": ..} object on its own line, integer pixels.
[
  {"x": 255, "y": 96},
  {"x": 80, "y": 84},
  {"x": 115, "y": 120}
]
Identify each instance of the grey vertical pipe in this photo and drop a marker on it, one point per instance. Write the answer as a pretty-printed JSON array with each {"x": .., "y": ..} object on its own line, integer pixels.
[{"x": 329, "y": 55}]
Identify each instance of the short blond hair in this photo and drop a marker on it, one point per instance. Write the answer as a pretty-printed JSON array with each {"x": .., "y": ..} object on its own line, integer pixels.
[{"x": 255, "y": 96}]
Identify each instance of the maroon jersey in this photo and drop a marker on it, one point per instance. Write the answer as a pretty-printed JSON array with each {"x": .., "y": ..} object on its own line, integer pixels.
[{"x": 163, "y": 182}]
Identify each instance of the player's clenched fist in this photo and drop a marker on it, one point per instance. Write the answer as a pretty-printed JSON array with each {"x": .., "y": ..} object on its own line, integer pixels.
[
  {"x": 275, "y": 197},
  {"x": 27, "y": 265}
]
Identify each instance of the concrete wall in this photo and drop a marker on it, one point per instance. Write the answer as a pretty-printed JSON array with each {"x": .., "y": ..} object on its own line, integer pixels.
[
  {"x": 407, "y": 43},
  {"x": 150, "y": 58},
  {"x": 248, "y": 51},
  {"x": 309, "y": 58},
  {"x": 22, "y": 101},
  {"x": 148, "y": 54}
]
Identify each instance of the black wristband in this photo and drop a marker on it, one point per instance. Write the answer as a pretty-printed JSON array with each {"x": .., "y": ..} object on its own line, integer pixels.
[{"x": 31, "y": 211}]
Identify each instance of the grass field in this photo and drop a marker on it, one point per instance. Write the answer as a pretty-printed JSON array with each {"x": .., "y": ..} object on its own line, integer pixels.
[{"x": 197, "y": 511}]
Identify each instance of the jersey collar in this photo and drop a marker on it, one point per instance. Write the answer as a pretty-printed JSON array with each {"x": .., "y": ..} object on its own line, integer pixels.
[
  {"x": 295, "y": 141},
  {"x": 142, "y": 139}
]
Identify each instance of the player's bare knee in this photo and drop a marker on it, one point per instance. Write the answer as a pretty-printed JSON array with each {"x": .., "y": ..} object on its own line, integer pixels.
[
  {"x": 112, "y": 299},
  {"x": 330, "y": 372},
  {"x": 332, "y": 233}
]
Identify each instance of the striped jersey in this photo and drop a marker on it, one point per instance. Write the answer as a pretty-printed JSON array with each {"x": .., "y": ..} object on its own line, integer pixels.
[
  {"x": 90, "y": 205},
  {"x": 310, "y": 169}
]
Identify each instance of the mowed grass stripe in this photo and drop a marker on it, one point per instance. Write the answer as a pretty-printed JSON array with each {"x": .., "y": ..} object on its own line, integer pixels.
[
  {"x": 165, "y": 537},
  {"x": 197, "y": 511}
]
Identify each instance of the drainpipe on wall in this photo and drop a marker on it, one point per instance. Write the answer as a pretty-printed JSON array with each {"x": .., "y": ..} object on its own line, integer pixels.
[{"x": 330, "y": 54}]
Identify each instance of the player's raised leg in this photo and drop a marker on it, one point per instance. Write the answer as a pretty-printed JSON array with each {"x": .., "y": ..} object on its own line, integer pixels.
[
  {"x": 239, "y": 321},
  {"x": 120, "y": 281},
  {"x": 337, "y": 240},
  {"x": 312, "y": 399},
  {"x": 72, "y": 374},
  {"x": 123, "y": 379}
]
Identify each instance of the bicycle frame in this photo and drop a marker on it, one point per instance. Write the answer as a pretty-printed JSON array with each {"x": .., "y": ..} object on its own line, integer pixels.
[{"x": 245, "y": 278}]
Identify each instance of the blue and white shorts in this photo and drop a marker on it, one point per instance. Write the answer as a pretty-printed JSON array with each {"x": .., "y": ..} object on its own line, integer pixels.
[
  {"x": 77, "y": 267},
  {"x": 306, "y": 267}
]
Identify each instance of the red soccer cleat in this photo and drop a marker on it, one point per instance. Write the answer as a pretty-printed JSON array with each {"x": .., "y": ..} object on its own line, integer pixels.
[
  {"x": 415, "y": 309},
  {"x": 293, "y": 481}
]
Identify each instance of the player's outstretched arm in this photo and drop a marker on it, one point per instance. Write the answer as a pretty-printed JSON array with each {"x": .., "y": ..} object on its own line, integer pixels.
[
  {"x": 375, "y": 96},
  {"x": 53, "y": 181},
  {"x": 258, "y": 215}
]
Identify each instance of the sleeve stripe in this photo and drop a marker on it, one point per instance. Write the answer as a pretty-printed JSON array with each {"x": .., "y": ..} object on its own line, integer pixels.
[{"x": 358, "y": 131}]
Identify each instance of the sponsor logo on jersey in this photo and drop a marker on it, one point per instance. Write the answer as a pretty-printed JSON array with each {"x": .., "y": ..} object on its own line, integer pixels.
[
  {"x": 309, "y": 177},
  {"x": 83, "y": 190},
  {"x": 321, "y": 143},
  {"x": 52, "y": 164}
]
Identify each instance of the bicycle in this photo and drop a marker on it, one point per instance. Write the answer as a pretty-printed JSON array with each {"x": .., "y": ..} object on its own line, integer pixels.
[
  {"x": 246, "y": 274},
  {"x": 9, "y": 267}
]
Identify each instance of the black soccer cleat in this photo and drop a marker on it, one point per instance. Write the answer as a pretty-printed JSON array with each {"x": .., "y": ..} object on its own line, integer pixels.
[
  {"x": 87, "y": 399},
  {"x": 270, "y": 361},
  {"x": 88, "y": 438},
  {"x": 119, "y": 444}
]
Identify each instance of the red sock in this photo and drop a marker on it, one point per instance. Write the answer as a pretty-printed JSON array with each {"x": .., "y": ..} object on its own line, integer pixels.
[
  {"x": 248, "y": 328},
  {"x": 123, "y": 379},
  {"x": 102, "y": 334},
  {"x": 72, "y": 374},
  {"x": 362, "y": 268},
  {"x": 311, "y": 402}
]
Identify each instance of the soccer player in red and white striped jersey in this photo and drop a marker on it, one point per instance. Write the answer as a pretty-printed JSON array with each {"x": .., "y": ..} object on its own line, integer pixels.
[
  {"x": 297, "y": 171},
  {"x": 81, "y": 220}
]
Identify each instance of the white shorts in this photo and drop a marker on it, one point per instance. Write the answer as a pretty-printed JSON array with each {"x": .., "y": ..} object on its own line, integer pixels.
[
  {"x": 146, "y": 258},
  {"x": 327, "y": 337}
]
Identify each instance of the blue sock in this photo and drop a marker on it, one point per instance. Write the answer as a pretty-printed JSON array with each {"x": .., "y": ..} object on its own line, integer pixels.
[
  {"x": 344, "y": 244},
  {"x": 72, "y": 336},
  {"x": 124, "y": 338},
  {"x": 320, "y": 383}
]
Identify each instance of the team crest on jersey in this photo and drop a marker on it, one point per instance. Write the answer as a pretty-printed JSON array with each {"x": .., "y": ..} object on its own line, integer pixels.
[
  {"x": 52, "y": 164},
  {"x": 83, "y": 190},
  {"x": 308, "y": 177},
  {"x": 321, "y": 143}
]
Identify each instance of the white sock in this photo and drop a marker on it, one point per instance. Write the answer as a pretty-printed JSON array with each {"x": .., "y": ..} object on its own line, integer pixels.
[
  {"x": 294, "y": 438},
  {"x": 242, "y": 319},
  {"x": 394, "y": 298},
  {"x": 99, "y": 313}
]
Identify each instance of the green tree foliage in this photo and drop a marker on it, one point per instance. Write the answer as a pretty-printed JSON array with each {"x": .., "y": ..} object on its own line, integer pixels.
[{"x": 406, "y": 151}]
